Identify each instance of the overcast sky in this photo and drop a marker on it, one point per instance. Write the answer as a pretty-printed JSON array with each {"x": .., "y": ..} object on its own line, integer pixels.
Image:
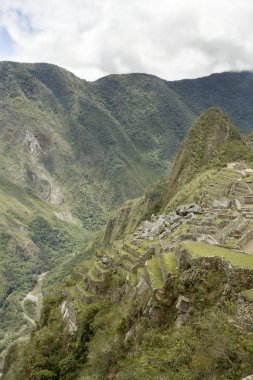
[{"x": 172, "y": 39}]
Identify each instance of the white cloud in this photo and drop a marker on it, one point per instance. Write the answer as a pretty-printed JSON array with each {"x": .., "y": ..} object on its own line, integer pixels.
[{"x": 169, "y": 38}]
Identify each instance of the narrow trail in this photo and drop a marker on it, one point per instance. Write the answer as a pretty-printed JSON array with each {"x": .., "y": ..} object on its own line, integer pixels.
[{"x": 35, "y": 296}]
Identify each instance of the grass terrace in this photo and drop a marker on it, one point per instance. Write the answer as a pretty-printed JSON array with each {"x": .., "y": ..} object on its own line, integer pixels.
[
  {"x": 169, "y": 260},
  {"x": 93, "y": 276},
  {"x": 100, "y": 268},
  {"x": 155, "y": 274},
  {"x": 126, "y": 255},
  {"x": 237, "y": 259}
]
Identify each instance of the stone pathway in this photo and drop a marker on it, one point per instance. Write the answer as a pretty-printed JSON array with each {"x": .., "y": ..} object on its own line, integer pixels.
[{"x": 35, "y": 296}]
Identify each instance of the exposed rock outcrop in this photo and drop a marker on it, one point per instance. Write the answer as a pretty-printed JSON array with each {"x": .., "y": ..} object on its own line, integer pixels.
[
  {"x": 34, "y": 146},
  {"x": 69, "y": 316},
  {"x": 221, "y": 203},
  {"x": 192, "y": 208}
]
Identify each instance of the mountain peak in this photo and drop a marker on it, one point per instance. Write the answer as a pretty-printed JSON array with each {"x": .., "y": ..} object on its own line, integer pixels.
[
  {"x": 214, "y": 121},
  {"x": 201, "y": 148},
  {"x": 211, "y": 130}
]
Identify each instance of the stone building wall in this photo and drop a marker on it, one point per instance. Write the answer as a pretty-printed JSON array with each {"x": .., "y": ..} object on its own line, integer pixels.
[
  {"x": 239, "y": 277},
  {"x": 245, "y": 238}
]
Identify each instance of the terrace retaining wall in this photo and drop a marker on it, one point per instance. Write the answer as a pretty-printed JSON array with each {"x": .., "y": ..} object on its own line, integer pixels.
[
  {"x": 245, "y": 312},
  {"x": 236, "y": 277}
]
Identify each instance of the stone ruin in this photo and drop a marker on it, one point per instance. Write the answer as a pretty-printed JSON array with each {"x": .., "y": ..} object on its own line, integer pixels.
[{"x": 244, "y": 202}]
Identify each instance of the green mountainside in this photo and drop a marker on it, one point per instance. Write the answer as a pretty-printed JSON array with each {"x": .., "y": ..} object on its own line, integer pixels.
[
  {"x": 72, "y": 152},
  {"x": 67, "y": 160},
  {"x": 211, "y": 143},
  {"x": 173, "y": 298},
  {"x": 223, "y": 90}
]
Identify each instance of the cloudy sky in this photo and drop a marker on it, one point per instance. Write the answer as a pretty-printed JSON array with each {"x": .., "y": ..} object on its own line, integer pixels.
[{"x": 172, "y": 39}]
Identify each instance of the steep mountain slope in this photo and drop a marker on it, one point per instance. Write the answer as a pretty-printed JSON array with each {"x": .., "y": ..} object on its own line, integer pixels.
[
  {"x": 174, "y": 299},
  {"x": 72, "y": 151},
  {"x": 80, "y": 145},
  {"x": 32, "y": 240},
  {"x": 151, "y": 113},
  {"x": 111, "y": 137},
  {"x": 223, "y": 90},
  {"x": 230, "y": 91},
  {"x": 211, "y": 143},
  {"x": 66, "y": 161},
  {"x": 121, "y": 129}
]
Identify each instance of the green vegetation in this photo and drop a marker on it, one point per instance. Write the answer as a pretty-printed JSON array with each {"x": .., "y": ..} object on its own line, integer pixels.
[
  {"x": 208, "y": 186},
  {"x": 237, "y": 259},
  {"x": 32, "y": 241},
  {"x": 30, "y": 309},
  {"x": 207, "y": 346},
  {"x": 203, "y": 349},
  {"x": 248, "y": 294},
  {"x": 88, "y": 164},
  {"x": 154, "y": 273},
  {"x": 169, "y": 260},
  {"x": 100, "y": 144},
  {"x": 53, "y": 241},
  {"x": 219, "y": 90},
  {"x": 211, "y": 143},
  {"x": 94, "y": 277}
]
